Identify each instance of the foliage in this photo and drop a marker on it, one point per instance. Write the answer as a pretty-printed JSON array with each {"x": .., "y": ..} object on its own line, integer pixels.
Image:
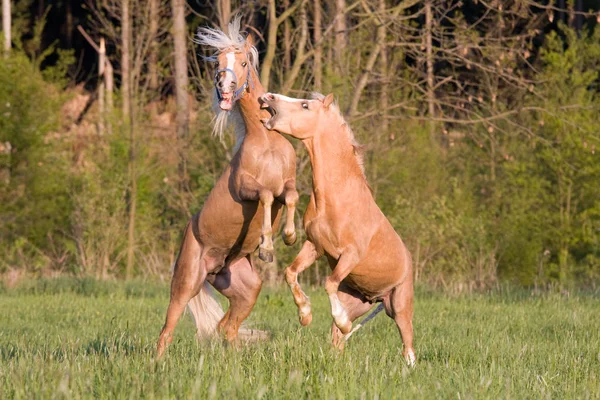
[{"x": 501, "y": 185}]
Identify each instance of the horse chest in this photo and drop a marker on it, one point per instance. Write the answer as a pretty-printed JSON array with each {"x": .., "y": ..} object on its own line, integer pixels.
[{"x": 323, "y": 237}]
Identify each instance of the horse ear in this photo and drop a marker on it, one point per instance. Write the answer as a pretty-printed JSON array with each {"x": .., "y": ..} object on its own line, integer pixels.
[
  {"x": 328, "y": 100},
  {"x": 249, "y": 42}
]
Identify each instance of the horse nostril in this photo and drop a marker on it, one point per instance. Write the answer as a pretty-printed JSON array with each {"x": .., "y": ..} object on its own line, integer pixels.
[
  {"x": 270, "y": 97},
  {"x": 220, "y": 84}
]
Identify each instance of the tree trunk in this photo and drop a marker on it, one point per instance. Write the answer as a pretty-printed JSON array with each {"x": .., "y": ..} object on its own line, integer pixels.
[
  {"x": 287, "y": 45},
  {"x": 68, "y": 24},
  {"x": 265, "y": 71},
  {"x": 318, "y": 56},
  {"x": 429, "y": 62},
  {"x": 224, "y": 14},
  {"x": 101, "y": 89},
  {"x": 299, "y": 60},
  {"x": 110, "y": 88},
  {"x": 125, "y": 61},
  {"x": 153, "y": 57},
  {"x": 181, "y": 82},
  {"x": 340, "y": 33},
  {"x": 6, "y": 26},
  {"x": 383, "y": 70},
  {"x": 129, "y": 118},
  {"x": 364, "y": 78},
  {"x": 274, "y": 22}
]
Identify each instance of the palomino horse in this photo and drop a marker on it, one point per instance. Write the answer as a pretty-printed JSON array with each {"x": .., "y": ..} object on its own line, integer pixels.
[
  {"x": 219, "y": 240},
  {"x": 368, "y": 259}
]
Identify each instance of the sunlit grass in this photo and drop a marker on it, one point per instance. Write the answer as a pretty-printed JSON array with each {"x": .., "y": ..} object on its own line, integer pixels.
[{"x": 88, "y": 339}]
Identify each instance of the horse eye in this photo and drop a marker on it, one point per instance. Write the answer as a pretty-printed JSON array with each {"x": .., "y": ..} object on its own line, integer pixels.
[
  {"x": 244, "y": 64},
  {"x": 305, "y": 106}
]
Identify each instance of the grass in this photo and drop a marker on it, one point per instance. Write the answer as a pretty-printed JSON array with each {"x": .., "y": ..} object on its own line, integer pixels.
[{"x": 84, "y": 339}]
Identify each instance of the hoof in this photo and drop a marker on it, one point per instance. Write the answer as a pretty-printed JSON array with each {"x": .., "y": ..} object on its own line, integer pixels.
[
  {"x": 290, "y": 239},
  {"x": 411, "y": 359},
  {"x": 265, "y": 255},
  {"x": 306, "y": 319}
]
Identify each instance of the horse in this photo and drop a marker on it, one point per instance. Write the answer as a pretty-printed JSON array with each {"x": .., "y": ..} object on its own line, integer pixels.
[
  {"x": 369, "y": 261},
  {"x": 243, "y": 208}
]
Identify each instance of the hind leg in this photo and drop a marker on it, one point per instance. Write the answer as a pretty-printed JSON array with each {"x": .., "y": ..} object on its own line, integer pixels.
[
  {"x": 355, "y": 304},
  {"x": 188, "y": 278},
  {"x": 399, "y": 306},
  {"x": 241, "y": 284}
]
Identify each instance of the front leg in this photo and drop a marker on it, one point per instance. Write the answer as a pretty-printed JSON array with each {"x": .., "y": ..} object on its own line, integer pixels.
[
  {"x": 345, "y": 265},
  {"x": 289, "y": 197},
  {"x": 308, "y": 255},
  {"x": 250, "y": 189}
]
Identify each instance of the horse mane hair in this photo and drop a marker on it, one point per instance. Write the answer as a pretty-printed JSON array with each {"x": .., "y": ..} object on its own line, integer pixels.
[
  {"x": 357, "y": 149},
  {"x": 221, "y": 41}
]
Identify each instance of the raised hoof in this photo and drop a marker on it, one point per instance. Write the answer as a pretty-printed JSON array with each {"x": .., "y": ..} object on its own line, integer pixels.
[
  {"x": 290, "y": 239},
  {"x": 265, "y": 255},
  {"x": 306, "y": 319}
]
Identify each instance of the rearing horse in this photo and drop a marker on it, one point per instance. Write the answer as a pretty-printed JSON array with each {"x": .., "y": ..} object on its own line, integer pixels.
[
  {"x": 219, "y": 240},
  {"x": 369, "y": 261}
]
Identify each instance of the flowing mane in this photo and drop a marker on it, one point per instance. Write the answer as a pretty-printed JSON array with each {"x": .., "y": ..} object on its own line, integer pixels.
[
  {"x": 221, "y": 41},
  {"x": 357, "y": 148}
]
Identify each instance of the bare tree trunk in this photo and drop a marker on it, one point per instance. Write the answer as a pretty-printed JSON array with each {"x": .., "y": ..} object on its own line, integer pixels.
[
  {"x": 101, "y": 70},
  {"x": 153, "y": 56},
  {"x": 6, "y": 26},
  {"x": 127, "y": 115},
  {"x": 265, "y": 71},
  {"x": 318, "y": 56},
  {"x": 383, "y": 70},
  {"x": 224, "y": 14},
  {"x": 110, "y": 88},
  {"x": 384, "y": 98},
  {"x": 125, "y": 62},
  {"x": 287, "y": 46},
  {"x": 274, "y": 22},
  {"x": 299, "y": 60},
  {"x": 364, "y": 77},
  {"x": 69, "y": 24},
  {"x": 340, "y": 33},
  {"x": 181, "y": 81},
  {"x": 429, "y": 62}
]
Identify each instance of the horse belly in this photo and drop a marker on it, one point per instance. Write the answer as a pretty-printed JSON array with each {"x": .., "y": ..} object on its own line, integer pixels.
[{"x": 386, "y": 265}]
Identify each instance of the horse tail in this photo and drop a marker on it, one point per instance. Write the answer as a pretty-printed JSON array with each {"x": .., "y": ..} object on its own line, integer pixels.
[{"x": 206, "y": 311}]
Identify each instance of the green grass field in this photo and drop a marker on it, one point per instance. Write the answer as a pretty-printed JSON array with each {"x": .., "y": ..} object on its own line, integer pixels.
[{"x": 90, "y": 339}]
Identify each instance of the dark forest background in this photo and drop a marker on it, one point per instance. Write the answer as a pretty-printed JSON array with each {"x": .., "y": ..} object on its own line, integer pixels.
[{"x": 480, "y": 121}]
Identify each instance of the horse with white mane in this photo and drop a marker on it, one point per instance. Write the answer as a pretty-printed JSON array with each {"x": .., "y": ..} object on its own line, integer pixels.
[{"x": 243, "y": 208}]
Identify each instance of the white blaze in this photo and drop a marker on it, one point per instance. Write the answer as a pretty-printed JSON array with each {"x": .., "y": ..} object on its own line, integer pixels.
[{"x": 228, "y": 75}]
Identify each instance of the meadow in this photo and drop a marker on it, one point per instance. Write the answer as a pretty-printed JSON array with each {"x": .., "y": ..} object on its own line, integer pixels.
[{"x": 70, "y": 338}]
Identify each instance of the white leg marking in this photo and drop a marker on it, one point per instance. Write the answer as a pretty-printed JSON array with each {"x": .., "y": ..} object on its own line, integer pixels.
[
  {"x": 337, "y": 310},
  {"x": 410, "y": 358}
]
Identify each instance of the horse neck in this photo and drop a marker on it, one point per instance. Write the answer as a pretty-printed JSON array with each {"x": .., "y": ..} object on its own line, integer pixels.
[
  {"x": 334, "y": 167},
  {"x": 250, "y": 107}
]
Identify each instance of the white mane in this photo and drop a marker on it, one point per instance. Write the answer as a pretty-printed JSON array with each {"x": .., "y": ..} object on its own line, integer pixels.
[{"x": 222, "y": 41}]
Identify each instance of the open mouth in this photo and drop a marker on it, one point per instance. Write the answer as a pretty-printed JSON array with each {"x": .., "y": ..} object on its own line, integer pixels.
[
  {"x": 226, "y": 103},
  {"x": 266, "y": 103}
]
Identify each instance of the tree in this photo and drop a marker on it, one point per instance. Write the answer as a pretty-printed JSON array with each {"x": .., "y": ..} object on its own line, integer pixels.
[
  {"x": 181, "y": 81},
  {"x": 6, "y": 26}
]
